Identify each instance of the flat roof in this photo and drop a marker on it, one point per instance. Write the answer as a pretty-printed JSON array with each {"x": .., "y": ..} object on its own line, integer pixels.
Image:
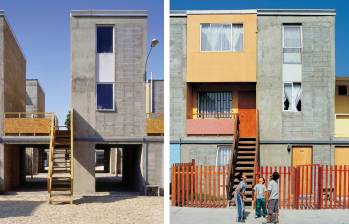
[
  {"x": 285, "y": 12},
  {"x": 109, "y": 13}
]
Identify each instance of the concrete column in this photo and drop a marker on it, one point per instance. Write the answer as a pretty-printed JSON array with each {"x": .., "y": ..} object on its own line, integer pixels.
[
  {"x": 84, "y": 168},
  {"x": 112, "y": 161},
  {"x": 119, "y": 155},
  {"x": 2, "y": 173},
  {"x": 106, "y": 160}
]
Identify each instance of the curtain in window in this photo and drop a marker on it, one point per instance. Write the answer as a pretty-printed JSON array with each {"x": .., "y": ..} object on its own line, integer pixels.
[
  {"x": 237, "y": 37},
  {"x": 287, "y": 96},
  {"x": 221, "y": 37},
  {"x": 297, "y": 93},
  {"x": 223, "y": 155}
]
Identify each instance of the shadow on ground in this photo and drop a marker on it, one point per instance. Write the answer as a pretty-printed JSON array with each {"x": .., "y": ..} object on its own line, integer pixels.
[
  {"x": 105, "y": 198},
  {"x": 18, "y": 208}
]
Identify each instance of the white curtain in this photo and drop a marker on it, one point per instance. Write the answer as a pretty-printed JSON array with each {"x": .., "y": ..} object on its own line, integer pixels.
[
  {"x": 288, "y": 94},
  {"x": 237, "y": 37},
  {"x": 292, "y": 36},
  {"x": 221, "y": 37},
  {"x": 223, "y": 155},
  {"x": 297, "y": 93}
]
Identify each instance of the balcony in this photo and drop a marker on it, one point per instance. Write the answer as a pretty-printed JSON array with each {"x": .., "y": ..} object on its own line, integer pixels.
[
  {"x": 155, "y": 124},
  {"x": 211, "y": 124},
  {"x": 342, "y": 126},
  {"x": 27, "y": 123}
]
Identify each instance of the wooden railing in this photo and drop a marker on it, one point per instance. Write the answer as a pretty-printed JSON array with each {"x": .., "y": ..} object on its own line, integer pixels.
[
  {"x": 310, "y": 186},
  {"x": 52, "y": 138},
  {"x": 27, "y": 123},
  {"x": 155, "y": 124},
  {"x": 233, "y": 157},
  {"x": 256, "y": 161},
  {"x": 199, "y": 186},
  {"x": 72, "y": 151}
]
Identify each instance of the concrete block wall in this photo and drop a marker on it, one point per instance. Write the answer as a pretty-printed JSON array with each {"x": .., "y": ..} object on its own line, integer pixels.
[
  {"x": 178, "y": 69},
  {"x": 128, "y": 119},
  {"x": 35, "y": 96},
  {"x": 155, "y": 164},
  {"x": 12, "y": 99},
  {"x": 203, "y": 154},
  {"x": 316, "y": 120},
  {"x": 158, "y": 96}
]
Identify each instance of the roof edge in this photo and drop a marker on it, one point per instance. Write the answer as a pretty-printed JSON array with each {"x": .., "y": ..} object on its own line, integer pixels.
[{"x": 108, "y": 13}]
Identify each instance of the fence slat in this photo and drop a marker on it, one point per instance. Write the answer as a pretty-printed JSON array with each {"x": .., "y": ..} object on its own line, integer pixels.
[
  {"x": 205, "y": 186},
  {"x": 173, "y": 185},
  {"x": 219, "y": 186},
  {"x": 284, "y": 187},
  {"x": 326, "y": 187},
  {"x": 200, "y": 185}
]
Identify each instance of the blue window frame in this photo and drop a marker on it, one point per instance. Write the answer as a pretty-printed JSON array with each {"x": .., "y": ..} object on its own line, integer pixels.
[
  {"x": 105, "y": 39},
  {"x": 105, "y": 96}
]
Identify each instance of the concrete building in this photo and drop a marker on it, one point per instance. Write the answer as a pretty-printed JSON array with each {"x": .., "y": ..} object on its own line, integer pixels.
[
  {"x": 12, "y": 99},
  {"x": 262, "y": 81},
  {"x": 35, "y": 102},
  {"x": 108, "y": 52}
]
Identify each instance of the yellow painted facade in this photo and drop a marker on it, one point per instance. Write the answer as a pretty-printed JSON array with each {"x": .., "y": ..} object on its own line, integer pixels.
[
  {"x": 342, "y": 111},
  {"x": 222, "y": 66}
]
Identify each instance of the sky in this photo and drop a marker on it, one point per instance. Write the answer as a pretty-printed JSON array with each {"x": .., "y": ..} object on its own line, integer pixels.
[
  {"x": 341, "y": 7},
  {"x": 42, "y": 29}
]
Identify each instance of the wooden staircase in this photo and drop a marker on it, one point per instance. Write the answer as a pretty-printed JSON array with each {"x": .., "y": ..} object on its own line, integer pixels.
[
  {"x": 60, "y": 174},
  {"x": 245, "y": 163}
]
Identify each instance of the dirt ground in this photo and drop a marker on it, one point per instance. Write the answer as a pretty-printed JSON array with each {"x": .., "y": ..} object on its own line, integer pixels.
[{"x": 99, "y": 208}]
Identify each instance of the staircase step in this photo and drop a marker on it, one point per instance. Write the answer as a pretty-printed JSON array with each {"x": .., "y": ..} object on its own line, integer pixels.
[
  {"x": 247, "y": 142},
  {"x": 246, "y": 152},
  {"x": 245, "y": 162},
  {"x": 60, "y": 171},
  {"x": 243, "y": 157},
  {"x": 246, "y": 147},
  {"x": 244, "y": 168},
  {"x": 60, "y": 188}
]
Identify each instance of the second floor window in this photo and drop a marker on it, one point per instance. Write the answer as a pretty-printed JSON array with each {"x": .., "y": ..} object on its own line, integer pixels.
[
  {"x": 105, "y": 39},
  {"x": 292, "y": 44},
  {"x": 222, "y": 37},
  {"x": 214, "y": 105}
]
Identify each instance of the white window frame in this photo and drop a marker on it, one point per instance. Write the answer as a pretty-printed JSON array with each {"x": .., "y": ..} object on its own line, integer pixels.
[
  {"x": 218, "y": 149},
  {"x": 231, "y": 40},
  {"x": 113, "y": 83},
  {"x": 283, "y": 42},
  {"x": 113, "y": 109},
  {"x": 293, "y": 107}
]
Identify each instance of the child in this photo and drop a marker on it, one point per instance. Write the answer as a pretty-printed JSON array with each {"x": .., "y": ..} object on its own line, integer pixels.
[
  {"x": 273, "y": 202},
  {"x": 259, "y": 195},
  {"x": 239, "y": 196}
]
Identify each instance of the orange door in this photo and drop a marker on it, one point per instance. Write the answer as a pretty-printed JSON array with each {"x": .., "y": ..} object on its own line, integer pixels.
[
  {"x": 303, "y": 157},
  {"x": 247, "y": 113}
]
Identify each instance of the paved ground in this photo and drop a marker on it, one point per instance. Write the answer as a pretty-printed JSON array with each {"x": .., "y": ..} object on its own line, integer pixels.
[
  {"x": 227, "y": 216},
  {"x": 100, "y": 208}
]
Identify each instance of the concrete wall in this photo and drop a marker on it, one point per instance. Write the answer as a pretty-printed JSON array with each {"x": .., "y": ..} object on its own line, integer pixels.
[
  {"x": 156, "y": 164},
  {"x": 128, "y": 119},
  {"x": 12, "y": 99},
  {"x": 203, "y": 154},
  {"x": 158, "y": 96},
  {"x": 178, "y": 70},
  {"x": 316, "y": 120},
  {"x": 35, "y": 96}
]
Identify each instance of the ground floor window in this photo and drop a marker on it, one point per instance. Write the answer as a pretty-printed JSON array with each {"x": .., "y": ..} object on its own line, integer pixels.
[
  {"x": 292, "y": 96},
  {"x": 223, "y": 155},
  {"x": 214, "y": 104}
]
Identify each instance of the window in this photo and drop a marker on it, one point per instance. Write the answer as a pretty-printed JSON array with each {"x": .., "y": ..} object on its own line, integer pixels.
[
  {"x": 292, "y": 44},
  {"x": 105, "y": 65},
  {"x": 214, "y": 104},
  {"x": 105, "y": 96},
  {"x": 222, "y": 37},
  {"x": 105, "y": 39},
  {"x": 292, "y": 96},
  {"x": 223, "y": 155},
  {"x": 343, "y": 90}
]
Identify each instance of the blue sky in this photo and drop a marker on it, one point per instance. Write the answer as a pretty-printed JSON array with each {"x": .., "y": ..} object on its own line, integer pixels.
[
  {"x": 42, "y": 29},
  {"x": 342, "y": 17}
]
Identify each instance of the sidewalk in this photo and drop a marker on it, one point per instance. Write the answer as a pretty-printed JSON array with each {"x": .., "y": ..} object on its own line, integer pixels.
[{"x": 181, "y": 215}]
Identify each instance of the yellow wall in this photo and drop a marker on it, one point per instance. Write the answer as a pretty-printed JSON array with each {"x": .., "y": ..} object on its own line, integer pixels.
[
  {"x": 222, "y": 66},
  {"x": 342, "y": 102}
]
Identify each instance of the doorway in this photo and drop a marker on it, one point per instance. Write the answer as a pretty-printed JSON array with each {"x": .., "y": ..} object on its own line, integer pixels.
[
  {"x": 247, "y": 113},
  {"x": 303, "y": 156}
]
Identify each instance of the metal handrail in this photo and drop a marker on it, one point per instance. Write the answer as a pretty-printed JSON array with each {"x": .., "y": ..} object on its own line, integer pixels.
[
  {"x": 215, "y": 115},
  {"x": 52, "y": 137},
  {"x": 33, "y": 114}
]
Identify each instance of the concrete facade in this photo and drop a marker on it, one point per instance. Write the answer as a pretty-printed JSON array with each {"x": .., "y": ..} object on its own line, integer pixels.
[
  {"x": 35, "y": 102},
  {"x": 12, "y": 99},
  {"x": 316, "y": 120},
  {"x": 125, "y": 126}
]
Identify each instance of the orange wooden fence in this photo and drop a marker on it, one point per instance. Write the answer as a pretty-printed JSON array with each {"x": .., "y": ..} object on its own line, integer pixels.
[
  {"x": 199, "y": 186},
  {"x": 310, "y": 186}
]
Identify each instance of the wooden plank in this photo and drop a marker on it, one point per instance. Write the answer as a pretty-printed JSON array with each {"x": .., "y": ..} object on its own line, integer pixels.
[
  {"x": 192, "y": 186},
  {"x": 345, "y": 186},
  {"x": 214, "y": 186},
  {"x": 340, "y": 186},
  {"x": 280, "y": 182},
  {"x": 205, "y": 185},
  {"x": 289, "y": 188},
  {"x": 224, "y": 186},
  {"x": 183, "y": 189},
  {"x": 209, "y": 187},
  {"x": 284, "y": 187},
  {"x": 326, "y": 186},
  {"x": 27, "y": 126},
  {"x": 174, "y": 185},
  {"x": 331, "y": 187},
  {"x": 187, "y": 184},
  {"x": 200, "y": 185},
  {"x": 219, "y": 186},
  {"x": 196, "y": 185}
]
